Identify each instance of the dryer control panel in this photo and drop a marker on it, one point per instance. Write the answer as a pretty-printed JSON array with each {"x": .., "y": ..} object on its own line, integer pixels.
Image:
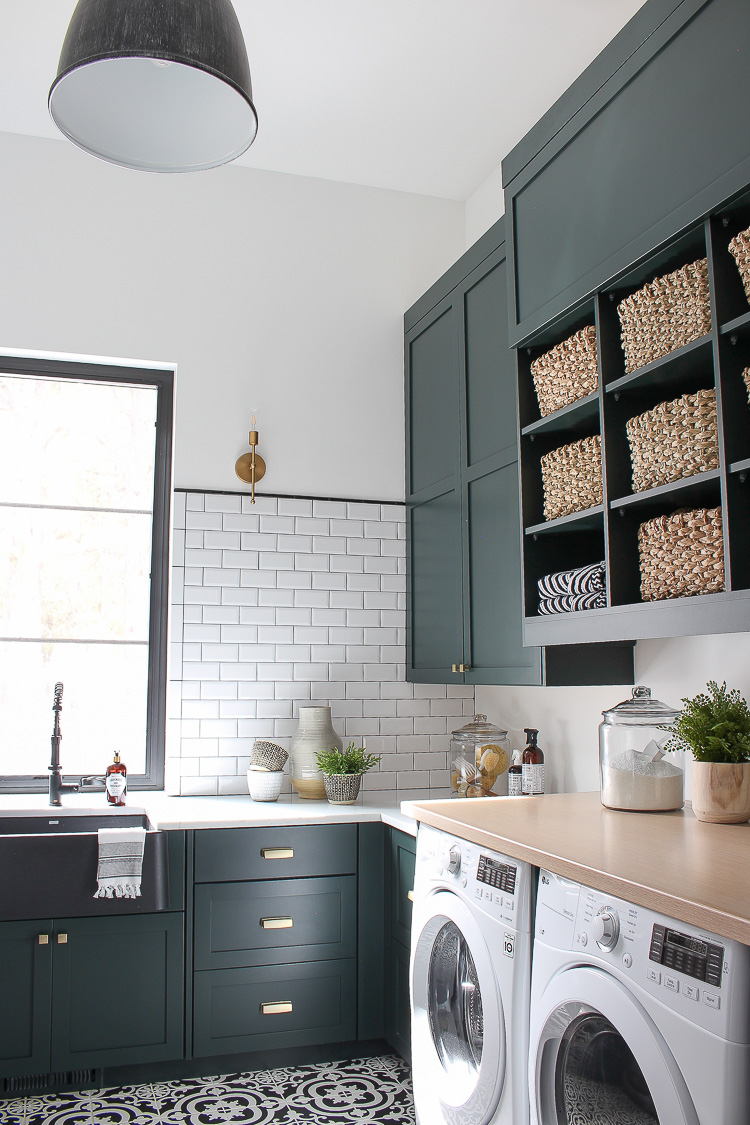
[
  {"x": 495, "y": 873},
  {"x": 689, "y": 955}
]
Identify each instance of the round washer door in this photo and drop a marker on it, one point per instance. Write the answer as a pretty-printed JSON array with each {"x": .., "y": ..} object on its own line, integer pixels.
[
  {"x": 597, "y": 1057},
  {"x": 458, "y": 1025}
]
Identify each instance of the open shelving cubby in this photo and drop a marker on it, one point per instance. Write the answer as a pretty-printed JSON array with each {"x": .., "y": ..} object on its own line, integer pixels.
[{"x": 609, "y": 531}]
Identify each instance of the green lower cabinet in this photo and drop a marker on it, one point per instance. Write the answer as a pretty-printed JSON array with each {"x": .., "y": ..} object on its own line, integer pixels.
[
  {"x": 398, "y": 1004},
  {"x": 274, "y": 922},
  {"x": 117, "y": 990},
  {"x": 269, "y": 1006},
  {"x": 400, "y": 862},
  {"x": 88, "y": 992},
  {"x": 25, "y": 997}
]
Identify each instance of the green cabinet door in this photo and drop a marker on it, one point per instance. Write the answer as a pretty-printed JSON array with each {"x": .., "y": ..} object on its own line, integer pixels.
[
  {"x": 117, "y": 990},
  {"x": 401, "y": 858},
  {"x": 25, "y": 977},
  {"x": 463, "y": 550},
  {"x": 433, "y": 497}
]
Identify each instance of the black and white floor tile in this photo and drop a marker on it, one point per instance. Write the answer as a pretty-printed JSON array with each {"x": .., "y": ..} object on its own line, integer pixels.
[{"x": 361, "y": 1092}]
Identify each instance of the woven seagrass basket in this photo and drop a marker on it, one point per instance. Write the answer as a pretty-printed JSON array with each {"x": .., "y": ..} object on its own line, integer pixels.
[
  {"x": 342, "y": 788},
  {"x": 572, "y": 477},
  {"x": 665, "y": 315},
  {"x": 681, "y": 555},
  {"x": 268, "y": 755},
  {"x": 739, "y": 248},
  {"x": 566, "y": 372},
  {"x": 674, "y": 440}
]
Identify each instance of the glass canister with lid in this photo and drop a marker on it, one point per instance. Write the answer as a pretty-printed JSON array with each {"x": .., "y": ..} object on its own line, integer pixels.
[
  {"x": 636, "y": 772},
  {"x": 479, "y": 759}
]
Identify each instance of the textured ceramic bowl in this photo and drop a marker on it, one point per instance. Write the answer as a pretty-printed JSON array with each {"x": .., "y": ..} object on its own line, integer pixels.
[
  {"x": 269, "y": 755},
  {"x": 264, "y": 785}
]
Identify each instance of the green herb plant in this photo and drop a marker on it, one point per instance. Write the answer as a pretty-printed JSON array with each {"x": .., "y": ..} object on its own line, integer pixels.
[
  {"x": 352, "y": 760},
  {"x": 715, "y": 727}
]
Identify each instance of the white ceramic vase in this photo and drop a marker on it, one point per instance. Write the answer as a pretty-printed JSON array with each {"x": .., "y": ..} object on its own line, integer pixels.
[{"x": 314, "y": 734}]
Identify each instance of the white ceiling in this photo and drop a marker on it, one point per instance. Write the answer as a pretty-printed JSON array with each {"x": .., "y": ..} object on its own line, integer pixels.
[{"x": 421, "y": 96}]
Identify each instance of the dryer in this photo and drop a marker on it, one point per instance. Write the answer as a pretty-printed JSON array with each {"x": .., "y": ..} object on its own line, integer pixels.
[
  {"x": 470, "y": 978},
  {"x": 636, "y": 1019}
]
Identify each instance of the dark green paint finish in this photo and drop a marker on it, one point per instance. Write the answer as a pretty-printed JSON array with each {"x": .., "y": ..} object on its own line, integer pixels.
[
  {"x": 370, "y": 931},
  {"x": 432, "y": 398},
  {"x": 402, "y": 861},
  {"x": 398, "y": 1008},
  {"x": 490, "y": 398},
  {"x": 658, "y": 145},
  {"x": 434, "y": 624},
  {"x": 228, "y": 1015},
  {"x": 25, "y": 982},
  {"x": 225, "y": 854},
  {"x": 229, "y": 931},
  {"x": 117, "y": 990},
  {"x": 497, "y": 651}
]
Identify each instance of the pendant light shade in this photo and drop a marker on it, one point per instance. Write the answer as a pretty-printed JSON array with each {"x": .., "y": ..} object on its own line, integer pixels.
[{"x": 156, "y": 85}]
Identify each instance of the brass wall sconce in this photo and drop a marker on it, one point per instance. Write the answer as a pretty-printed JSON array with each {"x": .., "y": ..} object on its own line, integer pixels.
[{"x": 251, "y": 467}]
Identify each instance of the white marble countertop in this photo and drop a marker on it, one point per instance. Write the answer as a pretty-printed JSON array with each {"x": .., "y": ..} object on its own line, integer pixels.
[{"x": 166, "y": 812}]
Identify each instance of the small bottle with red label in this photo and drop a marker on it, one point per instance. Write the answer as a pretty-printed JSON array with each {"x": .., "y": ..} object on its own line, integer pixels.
[{"x": 116, "y": 779}]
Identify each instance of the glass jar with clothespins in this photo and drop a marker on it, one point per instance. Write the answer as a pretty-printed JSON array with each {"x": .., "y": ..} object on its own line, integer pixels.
[{"x": 479, "y": 759}]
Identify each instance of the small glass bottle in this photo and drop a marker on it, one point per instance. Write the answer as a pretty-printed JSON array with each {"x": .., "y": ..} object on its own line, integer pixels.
[
  {"x": 532, "y": 775},
  {"x": 116, "y": 779},
  {"x": 515, "y": 771}
]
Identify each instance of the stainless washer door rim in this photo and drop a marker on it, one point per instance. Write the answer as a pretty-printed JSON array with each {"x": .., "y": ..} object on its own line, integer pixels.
[
  {"x": 584, "y": 990},
  {"x": 458, "y": 1105}
]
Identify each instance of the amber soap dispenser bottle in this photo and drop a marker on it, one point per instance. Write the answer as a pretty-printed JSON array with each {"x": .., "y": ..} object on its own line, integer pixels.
[
  {"x": 532, "y": 767},
  {"x": 116, "y": 779}
]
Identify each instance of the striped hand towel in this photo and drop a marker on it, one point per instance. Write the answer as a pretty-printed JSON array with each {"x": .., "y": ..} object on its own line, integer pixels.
[{"x": 120, "y": 862}]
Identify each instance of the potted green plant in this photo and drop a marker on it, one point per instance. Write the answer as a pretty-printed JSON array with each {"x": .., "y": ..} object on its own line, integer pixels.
[
  {"x": 343, "y": 770},
  {"x": 715, "y": 728}
]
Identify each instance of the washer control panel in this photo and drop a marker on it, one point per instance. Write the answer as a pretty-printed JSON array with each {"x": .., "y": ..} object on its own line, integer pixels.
[
  {"x": 689, "y": 955},
  {"x": 497, "y": 874}
]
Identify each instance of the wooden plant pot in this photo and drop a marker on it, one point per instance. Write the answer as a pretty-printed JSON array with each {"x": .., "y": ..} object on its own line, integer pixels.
[
  {"x": 342, "y": 788},
  {"x": 721, "y": 792}
]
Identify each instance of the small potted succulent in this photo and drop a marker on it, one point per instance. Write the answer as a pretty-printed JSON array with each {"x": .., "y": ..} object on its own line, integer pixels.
[
  {"x": 343, "y": 770},
  {"x": 715, "y": 728}
]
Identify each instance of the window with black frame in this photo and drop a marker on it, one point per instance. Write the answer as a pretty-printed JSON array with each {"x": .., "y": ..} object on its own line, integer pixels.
[{"x": 85, "y": 484}]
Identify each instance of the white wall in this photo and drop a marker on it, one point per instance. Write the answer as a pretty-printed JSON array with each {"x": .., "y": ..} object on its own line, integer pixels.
[
  {"x": 269, "y": 291},
  {"x": 568, "y": 718},
  {"x": 484, "y": 206}
]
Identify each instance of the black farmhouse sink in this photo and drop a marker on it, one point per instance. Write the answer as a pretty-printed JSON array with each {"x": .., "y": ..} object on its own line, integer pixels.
[{"x": 48, "y": 864}]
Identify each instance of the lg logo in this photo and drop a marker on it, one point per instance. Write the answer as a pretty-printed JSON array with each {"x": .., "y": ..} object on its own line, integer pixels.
[
  {"x": 509, "y": 945},
  {"x": 545, "y": 880}
]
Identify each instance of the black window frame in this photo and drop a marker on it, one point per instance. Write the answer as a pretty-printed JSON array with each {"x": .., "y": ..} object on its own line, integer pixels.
[{"x": 158, "y": 640}]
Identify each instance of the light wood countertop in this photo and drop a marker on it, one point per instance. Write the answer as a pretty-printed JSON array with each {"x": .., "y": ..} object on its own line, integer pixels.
[{"x": 670, "y": 862}]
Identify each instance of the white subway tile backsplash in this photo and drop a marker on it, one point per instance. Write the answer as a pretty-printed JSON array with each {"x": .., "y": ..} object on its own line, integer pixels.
[
  {"x": 288, "y": 603},
  {"x": 293, "y": 507},
  {"x": 178, "y": 509},
  {"x": 333, "y": 509}
]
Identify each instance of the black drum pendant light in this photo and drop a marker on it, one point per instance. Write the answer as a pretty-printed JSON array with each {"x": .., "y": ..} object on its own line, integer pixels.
[{"x": 157, "y": 85}]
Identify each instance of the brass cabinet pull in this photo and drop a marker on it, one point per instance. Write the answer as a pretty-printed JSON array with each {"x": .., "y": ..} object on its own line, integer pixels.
[
  {"x": 62, "y": 939},
  {"x": 410, "y": 896},
  {"x": 277, "y": 1008},
  {"x": 454, "y": 667},
  {"x": 280, "y": 923},
  {"x": 43, "y": 939},
  {"x": 277, "y": 853},
  {"x": 464, "y": 667}
]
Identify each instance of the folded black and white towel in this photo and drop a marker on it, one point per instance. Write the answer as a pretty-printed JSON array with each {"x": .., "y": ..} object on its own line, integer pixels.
[
  {"x": 120, "y": 862},
  {"x": 569, "y": 603},
  {"x": 581, "y": 580}
]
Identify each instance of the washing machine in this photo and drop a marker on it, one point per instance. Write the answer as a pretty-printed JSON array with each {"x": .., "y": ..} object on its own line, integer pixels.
[
  {"x": 636, "y": 1019},
  {"x": 470, "y": 977}
]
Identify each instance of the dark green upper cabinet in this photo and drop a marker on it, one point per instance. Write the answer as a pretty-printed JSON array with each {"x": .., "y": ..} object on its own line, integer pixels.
[
  {"x": 464, "y": 605},
  {"x": 650, "y": 138}
]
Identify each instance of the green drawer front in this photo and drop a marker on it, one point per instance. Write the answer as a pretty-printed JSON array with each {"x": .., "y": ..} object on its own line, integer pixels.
[
  {"x": 403, "y": 860},
  {"x": 230, "y": 917},
  {"x": 226, "y": 854},
  {"x": 228, "y": 1007}
]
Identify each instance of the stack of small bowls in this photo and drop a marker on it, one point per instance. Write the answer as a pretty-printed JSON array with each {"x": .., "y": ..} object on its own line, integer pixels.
[{"x": 265, "y": 774}]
